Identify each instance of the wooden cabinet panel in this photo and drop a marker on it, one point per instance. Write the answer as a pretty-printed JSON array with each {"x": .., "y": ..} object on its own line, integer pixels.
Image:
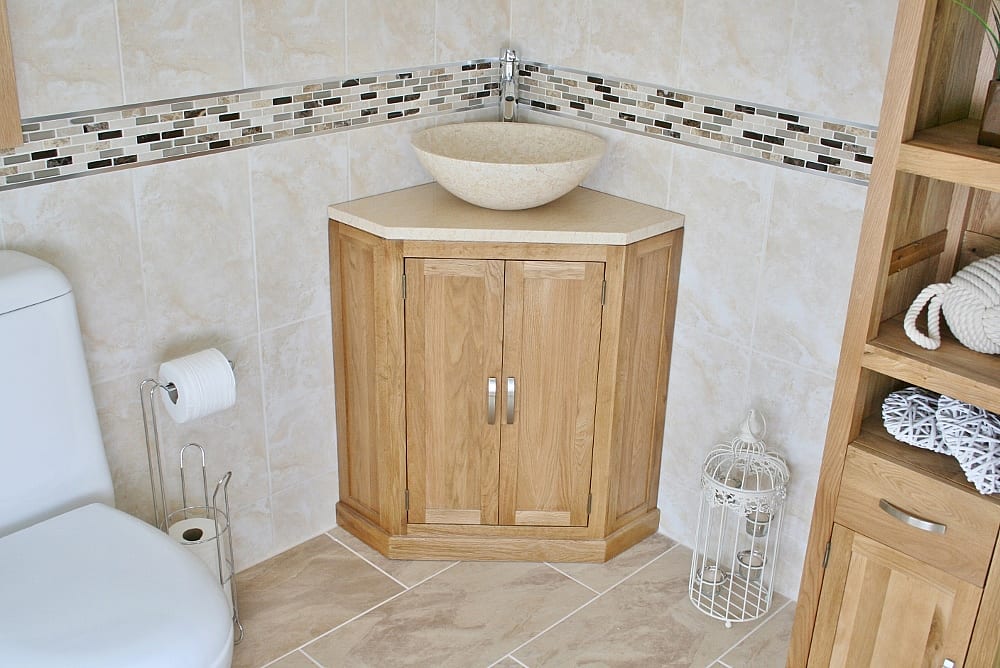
[
  {"x": 880, "y": 607},
  {"x": 964, "y": 548},
  {"x": 552, "y": 336},
  {"x": 10, "y": 115},
  {"x": 454, "y": 330}
]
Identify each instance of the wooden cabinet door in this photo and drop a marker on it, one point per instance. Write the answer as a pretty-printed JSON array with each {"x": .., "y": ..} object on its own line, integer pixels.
[
  {"x": 880, "y": 607},
  {"x": 552, "y": 335},
  {"x": 454, "y": 331}
]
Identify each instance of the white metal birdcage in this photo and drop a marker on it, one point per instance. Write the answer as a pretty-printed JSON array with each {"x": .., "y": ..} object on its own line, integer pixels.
[{"x": 739, "y": 525}]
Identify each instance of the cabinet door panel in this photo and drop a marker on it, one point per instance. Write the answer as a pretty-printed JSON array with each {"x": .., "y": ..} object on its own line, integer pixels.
[
  {"x": 454, "y": 328},
  {"x": 552, "y": 334},
  {"x": 880, "y": 607}
]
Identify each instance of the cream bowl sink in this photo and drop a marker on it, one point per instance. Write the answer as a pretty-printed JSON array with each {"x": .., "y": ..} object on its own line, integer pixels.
[{"x": 507, "y": 166}]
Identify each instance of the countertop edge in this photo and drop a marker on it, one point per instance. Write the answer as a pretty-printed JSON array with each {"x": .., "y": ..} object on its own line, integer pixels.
[{"x": 672, "y": 221}]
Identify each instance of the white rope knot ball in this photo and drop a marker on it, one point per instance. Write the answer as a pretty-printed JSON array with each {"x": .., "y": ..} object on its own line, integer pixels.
[{"x": 971, "y": 306}]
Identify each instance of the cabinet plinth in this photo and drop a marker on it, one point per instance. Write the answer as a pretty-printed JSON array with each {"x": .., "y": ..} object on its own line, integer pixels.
[{"x": 500, "y": 400}]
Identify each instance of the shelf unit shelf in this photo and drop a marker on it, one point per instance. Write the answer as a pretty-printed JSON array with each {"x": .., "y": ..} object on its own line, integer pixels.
[
  {"x": 950, "y": 153},
  {"x": 952, "y": 369}
]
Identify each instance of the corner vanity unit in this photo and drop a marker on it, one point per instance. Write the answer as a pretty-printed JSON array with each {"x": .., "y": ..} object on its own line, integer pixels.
[{"x": 501, "y": 376}]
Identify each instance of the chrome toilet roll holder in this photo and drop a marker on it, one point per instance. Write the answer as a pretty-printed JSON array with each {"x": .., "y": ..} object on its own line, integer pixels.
[{"x": 214, "y": 508}]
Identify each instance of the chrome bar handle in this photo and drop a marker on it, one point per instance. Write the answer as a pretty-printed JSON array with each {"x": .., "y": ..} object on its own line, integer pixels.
[
  {"x": 911, "y": 520},
  {"x": 511, "y": 389},
  {"x": 491, "y": 400}
]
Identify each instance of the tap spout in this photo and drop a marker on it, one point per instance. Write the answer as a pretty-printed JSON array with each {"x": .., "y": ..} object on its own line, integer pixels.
[{"x": 508, "y": 85}]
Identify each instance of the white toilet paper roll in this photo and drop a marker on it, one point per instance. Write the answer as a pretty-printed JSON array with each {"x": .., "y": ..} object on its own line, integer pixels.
[
  {"x": 204, "y": 381},
  {"x": 197, "y": 535}
]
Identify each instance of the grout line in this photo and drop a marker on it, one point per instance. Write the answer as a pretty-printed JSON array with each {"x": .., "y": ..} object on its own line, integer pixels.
[
  {"x": 361, "y": 557},
  {"x": 121, "y": 52},
  {"x": 584, "y": 605},
  {"x": 243, "y": 41},
  {"x": 749, "y": 633},
  {"x": 722, "y": 663},
  {"x": 512, "y": 658},
  {"x": 564, "y": 573},
  {"x": 306, "y": 654}
]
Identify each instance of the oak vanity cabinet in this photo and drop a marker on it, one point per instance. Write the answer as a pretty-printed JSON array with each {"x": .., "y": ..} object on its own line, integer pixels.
[
  {"x": 501, "y": 386},
  {"x": 903, "y": 565},
  {"x": 501, "y": 399}
]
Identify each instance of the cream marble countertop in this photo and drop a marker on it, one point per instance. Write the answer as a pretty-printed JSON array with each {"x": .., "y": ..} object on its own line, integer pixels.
[{"x": 430, "y": 213}]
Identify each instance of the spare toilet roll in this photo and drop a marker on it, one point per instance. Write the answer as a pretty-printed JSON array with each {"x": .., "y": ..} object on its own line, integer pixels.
[
  {"x": 197, "y": 535},
  {"x": 205, "y": 384}
]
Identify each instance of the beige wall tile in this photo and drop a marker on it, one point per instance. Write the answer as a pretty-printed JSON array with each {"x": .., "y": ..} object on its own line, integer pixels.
[
  {"x": 634, "y": 167},
  {"x": 294, "y": 660},
  {"x": 292, "y": 184},
  {"x": 706, "y": 402},
  {"x": 253, "y": 539},
  {"x": 385, "y": 35},
  {"x": 87, "y": 228},
  {"x": 293, "y": 41},
  {"x": 305, "y": 511},
  {"x": 194, "y": 220},
  {"x": 725, "y": 203},
  {"x": 796, "y": 404},
  {"x": 65, "y": 55},
  {"x": 737, "y": 49},
  {"x": 173, "y": 48},
  {"x": 469, "y": 29},
  {"x": 639, "y": 41},
  {"x": 120, "y": 416},
  {"x": 805, "y": 285},
  {"x": 382, "y": 158},
  {"x": 298, "y": 382},
  {"x": 555, "y": 32},
  {"x": 825, "y": 33}
]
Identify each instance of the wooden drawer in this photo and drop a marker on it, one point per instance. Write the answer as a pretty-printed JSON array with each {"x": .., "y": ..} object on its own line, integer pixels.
[{"x": 970, "y": 522}]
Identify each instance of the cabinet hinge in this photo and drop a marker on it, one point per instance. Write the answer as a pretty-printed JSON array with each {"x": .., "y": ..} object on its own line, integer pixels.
[
  {"x": 406, "y": 499},
  {"x": 604, "y": 291},
  {"x": 404, "y": 287},
  {"x": 826, "y": 555},
  {"x": 590, "y": 502}
]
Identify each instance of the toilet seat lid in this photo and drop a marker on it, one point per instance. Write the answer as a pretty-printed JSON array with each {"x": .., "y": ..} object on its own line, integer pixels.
[{"x": 97, "y": 587}]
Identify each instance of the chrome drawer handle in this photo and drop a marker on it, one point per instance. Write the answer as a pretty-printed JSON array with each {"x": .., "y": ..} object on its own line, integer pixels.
[
  {"x": 911, "y": 520},
  {"x": 510, "y": 399},
  {"x": 491, "y": 400}
]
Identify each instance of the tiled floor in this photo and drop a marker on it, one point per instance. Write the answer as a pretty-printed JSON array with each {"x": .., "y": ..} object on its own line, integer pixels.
[{"x": 334, "y": 602}]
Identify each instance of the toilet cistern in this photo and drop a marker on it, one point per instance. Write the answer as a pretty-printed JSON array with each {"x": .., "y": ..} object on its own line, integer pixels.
[{"x": 508, "y": 85}]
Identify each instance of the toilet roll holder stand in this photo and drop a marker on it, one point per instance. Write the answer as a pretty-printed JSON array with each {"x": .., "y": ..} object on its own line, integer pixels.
[{"x": 215, "y": 508}]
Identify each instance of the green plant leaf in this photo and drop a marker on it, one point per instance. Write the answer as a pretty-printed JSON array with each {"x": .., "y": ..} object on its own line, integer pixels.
[{"x": 994, "y": 39}]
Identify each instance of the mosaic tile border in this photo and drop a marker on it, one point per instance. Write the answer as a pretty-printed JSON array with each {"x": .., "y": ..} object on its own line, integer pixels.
[
  {"x": 88, "y": 142},
  {"x": 794, "y": 140}
]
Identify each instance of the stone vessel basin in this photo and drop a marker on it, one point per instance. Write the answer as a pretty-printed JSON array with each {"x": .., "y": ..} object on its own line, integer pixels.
[{"x": 507, "y": 166}]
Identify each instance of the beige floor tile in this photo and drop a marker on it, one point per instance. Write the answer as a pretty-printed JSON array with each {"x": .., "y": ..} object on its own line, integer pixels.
[
  {"x": 407, "y": 572},
  {"x": 645, "y": 621},
  {"x": 296, "y": 660},
  {"x": 292, "y": 598},
  {"x": 470, "y": 615},
  {"x": 508, "y": 662},
  {"x": 768, "y": 645},
  {"x": 604, "y": 576}
]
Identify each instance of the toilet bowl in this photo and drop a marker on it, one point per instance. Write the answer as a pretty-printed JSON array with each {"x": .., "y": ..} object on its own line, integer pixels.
[
  {"x": 95, "y": 587},
  {"x": 82, "y": 584}
]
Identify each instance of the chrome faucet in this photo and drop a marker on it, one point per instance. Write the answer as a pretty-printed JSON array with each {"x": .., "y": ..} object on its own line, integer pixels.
[{"x": 508, "y": 85}]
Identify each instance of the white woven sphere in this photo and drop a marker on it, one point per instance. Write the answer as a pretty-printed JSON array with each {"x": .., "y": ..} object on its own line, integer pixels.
[
  {"x": 973, "y": 438},
  {"x": 909, "y": 415}
]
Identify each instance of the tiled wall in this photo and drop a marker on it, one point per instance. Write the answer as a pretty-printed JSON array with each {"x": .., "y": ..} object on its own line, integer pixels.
[{"x": 229, "y": 249}]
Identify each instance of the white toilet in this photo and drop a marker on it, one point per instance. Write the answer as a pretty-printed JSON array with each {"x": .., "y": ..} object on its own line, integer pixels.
[{"x": 81, "y": 584}]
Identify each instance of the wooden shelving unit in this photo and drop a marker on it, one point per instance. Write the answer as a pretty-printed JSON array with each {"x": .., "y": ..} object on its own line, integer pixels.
[{"x": 933, "y": 207}]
